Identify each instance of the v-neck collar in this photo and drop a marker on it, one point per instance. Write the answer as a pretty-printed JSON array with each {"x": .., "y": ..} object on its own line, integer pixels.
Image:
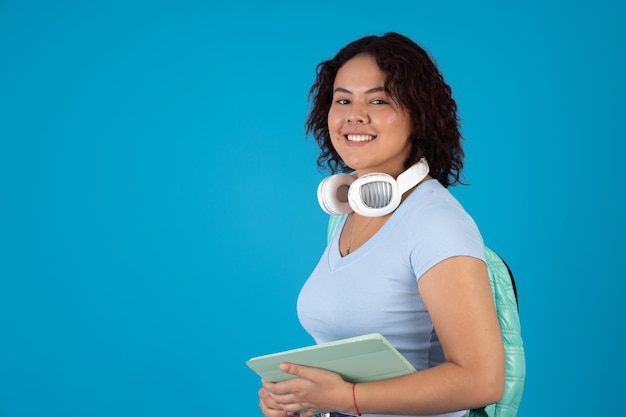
[{"x": 334, "y": 258}]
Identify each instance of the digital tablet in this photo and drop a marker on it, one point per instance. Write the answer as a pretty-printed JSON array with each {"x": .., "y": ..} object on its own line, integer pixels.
[{"x": 357, "y": 359}]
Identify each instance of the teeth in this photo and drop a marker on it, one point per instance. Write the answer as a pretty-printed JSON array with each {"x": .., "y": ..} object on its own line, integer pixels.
[{"x": 360, "y": 138}]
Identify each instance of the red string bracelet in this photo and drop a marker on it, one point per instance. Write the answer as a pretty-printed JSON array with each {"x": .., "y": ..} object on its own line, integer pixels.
[{"x": 354, "y": 399}]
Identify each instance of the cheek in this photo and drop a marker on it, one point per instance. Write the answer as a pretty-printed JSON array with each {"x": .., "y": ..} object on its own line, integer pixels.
[
  {"x": 334, "y": 120},
  {"x": 335, "y": 139},
  {"x": 402, "y": 125}
]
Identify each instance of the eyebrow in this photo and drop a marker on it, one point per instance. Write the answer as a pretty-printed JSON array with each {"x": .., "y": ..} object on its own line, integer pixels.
[{"x": 370, "y": 91}]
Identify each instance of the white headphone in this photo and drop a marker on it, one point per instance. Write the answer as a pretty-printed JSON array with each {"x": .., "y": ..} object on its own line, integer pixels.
[{"x": 372, "y": 195}]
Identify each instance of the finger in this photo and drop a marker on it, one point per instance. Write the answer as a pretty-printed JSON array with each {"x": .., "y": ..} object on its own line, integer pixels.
[
  {"x": 270, "y": 409},
  {"x": 272, "y": 412},
  {"x": 300, "y": 371},
  {"x": 282, "y": 388},
  {"x": 279, "y": 401},
  {"x": 268, "y": 401},
  {"x": 276, "y": 388}
]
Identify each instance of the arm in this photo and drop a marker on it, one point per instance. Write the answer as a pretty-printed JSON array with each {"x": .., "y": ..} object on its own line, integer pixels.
[{"x": 458, "y": 296}]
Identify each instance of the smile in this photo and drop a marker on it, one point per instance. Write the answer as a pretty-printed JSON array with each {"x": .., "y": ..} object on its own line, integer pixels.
[{"x": 359, "y": 138}]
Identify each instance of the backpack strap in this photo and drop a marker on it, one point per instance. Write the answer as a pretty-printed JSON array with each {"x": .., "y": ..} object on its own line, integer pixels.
[
  {"x": 505, "y": 298},
  {"x": 333, "y": 222}
]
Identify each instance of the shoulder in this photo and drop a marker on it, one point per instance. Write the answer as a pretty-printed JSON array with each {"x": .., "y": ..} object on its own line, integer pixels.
[
  {"x": 435, "y": 227},
  {"x": 433, "y": 207}
]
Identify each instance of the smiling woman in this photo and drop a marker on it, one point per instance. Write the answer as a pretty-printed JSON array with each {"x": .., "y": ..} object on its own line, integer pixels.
[{"x": 414, "y": 272}]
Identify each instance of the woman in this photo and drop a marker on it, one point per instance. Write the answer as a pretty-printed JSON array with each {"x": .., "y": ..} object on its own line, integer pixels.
[{"x": 417, "y": 275}]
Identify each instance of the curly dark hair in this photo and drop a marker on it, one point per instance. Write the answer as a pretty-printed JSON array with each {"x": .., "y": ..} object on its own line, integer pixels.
[{"x": 415, "y": 83}]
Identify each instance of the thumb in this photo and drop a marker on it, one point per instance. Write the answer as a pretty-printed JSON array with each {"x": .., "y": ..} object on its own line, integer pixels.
[{"x": 293, "y": 369}]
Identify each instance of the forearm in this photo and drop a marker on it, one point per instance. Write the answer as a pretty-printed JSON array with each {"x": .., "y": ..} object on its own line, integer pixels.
[{"x": 444, "y": 388}]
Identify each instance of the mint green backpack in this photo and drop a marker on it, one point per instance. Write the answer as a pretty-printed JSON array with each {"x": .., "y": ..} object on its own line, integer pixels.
[{"x": 505, "y": 297}]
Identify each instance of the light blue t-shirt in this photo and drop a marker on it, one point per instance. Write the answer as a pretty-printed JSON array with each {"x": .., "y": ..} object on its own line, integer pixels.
[{"x": 374, "y": 289}]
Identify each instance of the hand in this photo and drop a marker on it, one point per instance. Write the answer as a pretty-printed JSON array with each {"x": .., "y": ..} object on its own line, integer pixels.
[{"x": 312, "y": 391}]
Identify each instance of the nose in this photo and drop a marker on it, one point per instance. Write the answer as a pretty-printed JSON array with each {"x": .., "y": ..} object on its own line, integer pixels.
[{"x": 358, "y": 116}]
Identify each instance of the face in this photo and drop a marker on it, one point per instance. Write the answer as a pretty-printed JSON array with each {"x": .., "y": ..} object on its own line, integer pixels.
[{"x": 369, "y": 131}]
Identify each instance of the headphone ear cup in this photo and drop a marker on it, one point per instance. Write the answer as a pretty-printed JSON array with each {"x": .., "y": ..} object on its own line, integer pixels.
[
  {"x": 332, "y": 194},
  {"x": 374, "y": 195}
]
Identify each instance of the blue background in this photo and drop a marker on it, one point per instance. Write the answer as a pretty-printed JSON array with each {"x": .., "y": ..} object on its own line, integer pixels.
[{"x": 157, "y": 193}]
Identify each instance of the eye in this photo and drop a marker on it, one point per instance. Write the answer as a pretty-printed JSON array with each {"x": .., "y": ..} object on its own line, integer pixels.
[
  {"x": 342, "y": 101},
  {"x": 379, "y": 101}
]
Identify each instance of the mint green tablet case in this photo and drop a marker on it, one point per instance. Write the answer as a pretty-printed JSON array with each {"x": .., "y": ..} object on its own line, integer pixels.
[{"x": 357, "y": 359}]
